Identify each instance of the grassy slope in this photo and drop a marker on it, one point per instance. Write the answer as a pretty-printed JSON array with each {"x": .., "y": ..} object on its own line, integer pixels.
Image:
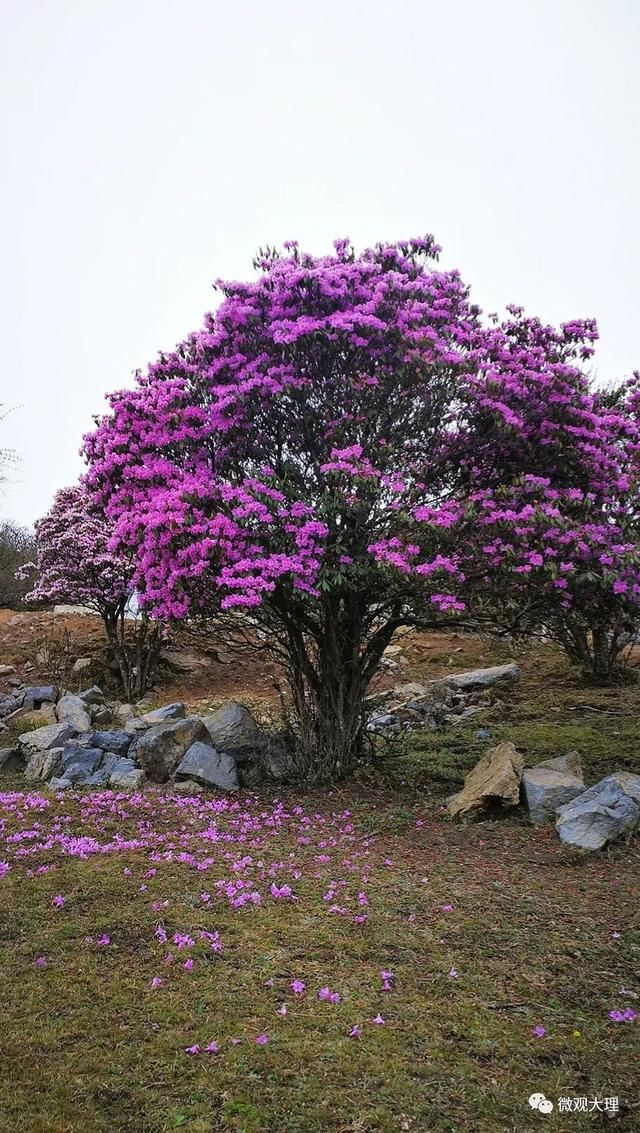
[{"x": 88, "y": 1047}]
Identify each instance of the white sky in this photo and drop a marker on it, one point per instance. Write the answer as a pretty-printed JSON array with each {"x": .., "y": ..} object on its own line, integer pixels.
[{"x": 149, "y": 146}]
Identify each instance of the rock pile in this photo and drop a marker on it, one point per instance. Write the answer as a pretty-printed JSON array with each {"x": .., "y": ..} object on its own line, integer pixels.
[
  {"x": 586, "y": 819},
  {"x": 80, "y": 745},
  {"x": 439, "y": 704}
]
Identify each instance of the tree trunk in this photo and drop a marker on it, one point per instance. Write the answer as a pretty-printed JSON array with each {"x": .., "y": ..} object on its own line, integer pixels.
[
  {"x": 136, "y": 660},
  {"x": 328, "y": 673}
]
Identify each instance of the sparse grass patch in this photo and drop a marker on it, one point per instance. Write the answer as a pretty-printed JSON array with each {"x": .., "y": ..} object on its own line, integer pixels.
[{"x": 89, "y": 1046}]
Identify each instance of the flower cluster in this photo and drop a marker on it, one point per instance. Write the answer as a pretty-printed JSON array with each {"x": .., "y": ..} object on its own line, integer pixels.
[{"x": 74, "y": 562}]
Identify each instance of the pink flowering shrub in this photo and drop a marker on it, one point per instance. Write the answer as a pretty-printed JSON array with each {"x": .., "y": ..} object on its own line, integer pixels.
[
  {"x": 311, "y": 464},
  {"x": 74, "y": 564},
  {"x": 549, "y": 541}
]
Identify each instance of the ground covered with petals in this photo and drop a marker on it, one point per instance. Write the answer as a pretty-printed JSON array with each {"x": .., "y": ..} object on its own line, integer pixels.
[{"x": 346, "y": 962}]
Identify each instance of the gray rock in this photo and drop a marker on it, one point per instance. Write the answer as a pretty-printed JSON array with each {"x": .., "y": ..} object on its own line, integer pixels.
[
  {"x": 11, "y": 759},
  {"x": 7, "y": 670},
  {"x": 551, "y": 784},
  {"x": 81, "y": 664},
  {"x": 135, "y": 727},
  {"x": 79, "y": 764},
  {"x": 102, "y": 776},
  {"x": 383, "y": 720},
  {"x": 160, "y": 749},
  {"x": 481, "y": 678},
  {"x": 603, "y": 813},
  {"x": 34, "y": 696},
  {"x": 73, "y": 711},
  {"x": 457, "y": 718},
  {"x": 11, "y": 701},
  {"x": 124, "y": 712},
  {"x": 93, "y": 695},
  {"x": 232, "y": 729},
  {"x": 276, "y": 761},
  {"x": 43, "y": 764},
  {"x": 125, "y": 776},
  {"x": 209, "y": 767},
  {"x": 115, "y": 741},
  {"x": 100, "y": 714},
  {"x": 164, "y": 715},
  {"x": 42, "y": 739},
  {"x": 59, "y": 784}
]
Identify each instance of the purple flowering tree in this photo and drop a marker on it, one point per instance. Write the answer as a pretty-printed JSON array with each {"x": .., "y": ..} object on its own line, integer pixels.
[
  {"x": 307, "y": 464},
  {"x": 74, "y": 564},
  {"x": 551, "y": 499}
]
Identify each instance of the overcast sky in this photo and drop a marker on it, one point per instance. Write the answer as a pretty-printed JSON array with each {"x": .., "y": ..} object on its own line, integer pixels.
[{"x": 150, "y": 146}]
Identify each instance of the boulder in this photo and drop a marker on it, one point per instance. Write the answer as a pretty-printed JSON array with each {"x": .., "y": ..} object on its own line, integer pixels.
[
  {"x": 59, "y": 784},
  {"x": 550, "y": 784},
  {"x": 102, "y": 775},
  {"x": 125, "y": 776},
  {"x": 603, "y": 813},
  {"x": 117, "y": 742},
  {"x": 81, "y": 664},
  {"x": 481, "y": 678},
  {"x": 79, "y": 764},
  {"x": 93, "y": 695},
  {"x": 386, "y": 721},
  {"x": 43, "y": 739},
  {"x": 7, "y": 670},
  {"x": 209, "y": 767},
  {"x": 164, "y": 715},
  {"x": 42, "y": 764},
  {"x": 232, "y": 729},
  {"x": 34, "y": 696},
  {"x": 11, "y": 759},
  {"x": 136, "y": 726},
  {"x": 494, "y": 779},
  {"x": 275, "y": 760},
  {"x": 124, "y": 712},
  {"x": 160, "y": 749},
  {"x": 73, "y": 711}
]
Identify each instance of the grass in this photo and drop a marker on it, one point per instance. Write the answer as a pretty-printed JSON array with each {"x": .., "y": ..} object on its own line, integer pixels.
[
  {"x": 537, "y": 936},
  {"x": 89, "y": 1046}
]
